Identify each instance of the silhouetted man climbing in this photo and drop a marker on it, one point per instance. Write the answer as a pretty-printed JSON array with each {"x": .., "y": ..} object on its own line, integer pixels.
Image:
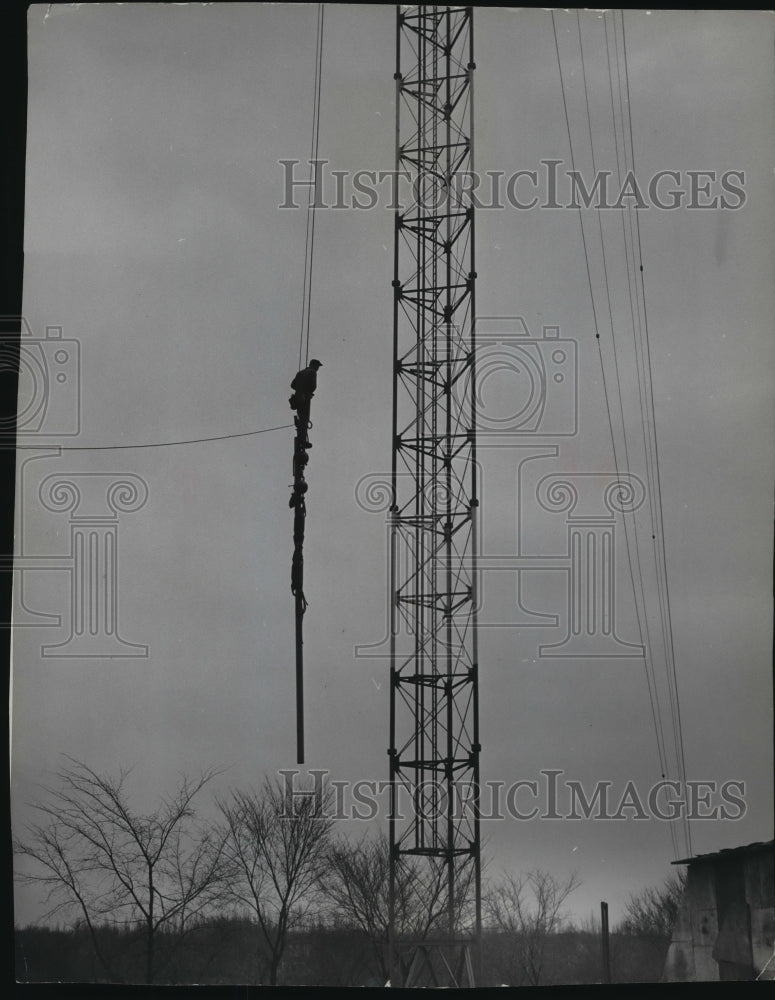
[{"x": 304, "y": 384}]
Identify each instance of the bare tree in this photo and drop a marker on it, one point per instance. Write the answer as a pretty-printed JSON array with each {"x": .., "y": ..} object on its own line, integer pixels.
[
  {"x": 652, "y": 912},
  {"x": 94, "y": 855},
  {"x": 356, "y": 883},
  {"x": 527, "y": 910},
  {"x": 276, "y": 842}
]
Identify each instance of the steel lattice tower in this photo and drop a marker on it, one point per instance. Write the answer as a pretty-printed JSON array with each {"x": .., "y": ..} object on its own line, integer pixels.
[{"x": 435, "y": 874}]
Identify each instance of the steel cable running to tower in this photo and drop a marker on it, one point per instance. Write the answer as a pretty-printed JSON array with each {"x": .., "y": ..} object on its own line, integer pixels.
[
  {"x": 617, "y": 377},
  {"x": 648, "y": 423},
  {"x": 645, "y": 395},
  {"x": 635, "y": 323},
  {"x": 648, "y": 647},
  {"x": 637, "y": 327},
  {"x": 659, "y": 542},
  {"x": 645, "y": 392},
  {"x": 653, "y": 697}
]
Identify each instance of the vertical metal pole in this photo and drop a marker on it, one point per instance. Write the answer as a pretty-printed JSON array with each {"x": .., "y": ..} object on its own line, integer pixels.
[
  {"x": 299, "y": 678},
  {"x": 605, "y": 942},
  {"x": 300, "y": 446}
]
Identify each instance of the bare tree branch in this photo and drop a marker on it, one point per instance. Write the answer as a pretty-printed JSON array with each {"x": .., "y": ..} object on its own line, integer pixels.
[
  {"x": 275, "y": 850},
  {"x": 356, "y": 884},
  {"x": 91, "y": 852},
  {"x": 527, "y": 909},
  {"x": 652, "y": 912}
]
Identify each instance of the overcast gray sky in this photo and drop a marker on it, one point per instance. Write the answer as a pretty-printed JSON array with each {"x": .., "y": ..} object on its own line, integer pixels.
[{"x": 154, "y": 240}]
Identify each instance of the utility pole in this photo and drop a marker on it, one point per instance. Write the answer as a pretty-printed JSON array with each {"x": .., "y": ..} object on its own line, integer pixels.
[
  {"x": 435, "y": 930},
  {"x": 605, "y": 942}
]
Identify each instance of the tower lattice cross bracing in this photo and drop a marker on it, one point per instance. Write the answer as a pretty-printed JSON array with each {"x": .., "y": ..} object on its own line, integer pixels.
[{"x": 434, "y": 727}]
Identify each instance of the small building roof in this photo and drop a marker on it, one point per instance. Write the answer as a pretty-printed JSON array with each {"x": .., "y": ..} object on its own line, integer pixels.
[{"x": 728, "y": 852}]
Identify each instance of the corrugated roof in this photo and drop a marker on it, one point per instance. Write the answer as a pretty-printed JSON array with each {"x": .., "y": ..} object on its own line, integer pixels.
[{"x": 727, "y": 852}]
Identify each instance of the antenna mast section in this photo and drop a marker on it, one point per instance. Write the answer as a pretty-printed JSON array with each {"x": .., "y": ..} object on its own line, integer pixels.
[{"x": 435, "y": 865}]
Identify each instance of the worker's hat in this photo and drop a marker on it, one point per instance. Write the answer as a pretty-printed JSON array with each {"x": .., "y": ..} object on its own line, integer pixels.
[{"x": 314, "y": 363}]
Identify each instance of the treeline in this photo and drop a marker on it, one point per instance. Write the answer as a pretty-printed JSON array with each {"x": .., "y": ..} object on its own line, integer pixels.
[
  {"x": 223, "y": 951},
  {"x": 262, "y": 890}
]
